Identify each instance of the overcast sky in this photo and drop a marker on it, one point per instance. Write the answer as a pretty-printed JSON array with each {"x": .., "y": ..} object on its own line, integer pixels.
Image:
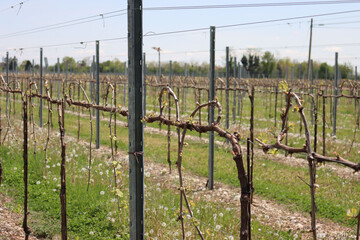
[{"x": 21, "y": 30}]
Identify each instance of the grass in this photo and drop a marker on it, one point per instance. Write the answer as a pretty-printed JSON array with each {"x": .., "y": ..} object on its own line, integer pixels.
[
  {"x": 93, "y": 214},
  {"x": 273, "y": 180}
]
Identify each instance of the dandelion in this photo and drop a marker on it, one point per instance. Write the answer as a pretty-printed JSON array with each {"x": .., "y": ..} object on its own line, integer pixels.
[
  {"x": 38, "y": 182},
  {"x": 113, "y": 199},
  {"x": 15, "y": 168},
  {"x": 112, "y": 220},
  {"x": 91, "y": 233},
  {"x": 217, "y": 228},
  {"x": 231, "y": 238},
  {"x": 151, "y": 231},
  {"x": 54, "y": 190},
  {"x": 101, "y": 173},
  {"x": 165, "y": 208},
  {"x": 158, "y": 189},
  {"x": 163, "y": 224},
  {"x": 221, "y": 214},
  {"x": 188, "y": 234},
  {"x": 102, "y": 193},
  {"x": 147, "y": 174},
  {"x": 47, "y": 166},
  {"x": 176, "y": 234}
]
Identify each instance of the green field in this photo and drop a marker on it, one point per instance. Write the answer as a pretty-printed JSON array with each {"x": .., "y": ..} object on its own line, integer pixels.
[{"x": 94, "y": 214}]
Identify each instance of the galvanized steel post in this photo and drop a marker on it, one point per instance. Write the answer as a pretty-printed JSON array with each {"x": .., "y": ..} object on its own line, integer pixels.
[
  {"x": 335, "y": 92},
  {"x": 211, "y": 109},
  {"x": 97, "y": 94},
  {"x": 144, "y": 85},
  {"x": 58, "y": 78},
  {"x": 7, "y": 67},
  {"x": 311, "y": 77},
  {"x": 227, "y": 87},
  {"x": 136, "y": 163},
  {"x": 234, "y": 101},
  {"x": 41, "y": 88},
  {"x": 186, "y": 89},
  {"x": 239, "y": 94},
  {"x": 356, "y": 75},
  {"x": 125, "y": 73},
  {"x": 7, "y": 82}
]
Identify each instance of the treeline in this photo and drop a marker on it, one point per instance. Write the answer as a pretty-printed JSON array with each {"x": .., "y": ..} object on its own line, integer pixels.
[{"x": 252, "y": 65}]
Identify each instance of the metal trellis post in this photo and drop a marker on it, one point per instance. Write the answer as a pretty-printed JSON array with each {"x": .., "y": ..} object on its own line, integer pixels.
[
  {"x": 335, "y": 92},
  {"x": 7, "y": 82},
  {"x": 125, "y": 73},
  {"x": 311, "y": 76},
  {"x": 356, "y": 75},
  {"x": 186, "y": 84},
  {"x": 292, "y": 76},
  {"x": 58, "y": 78},
  {"x": 211, "y": 109},
  {"x": 41, "y": 88},
  {"x": 234, "y": 100},
  {"x": 97, "y": 95},
  {"x": 144, "y": 85},
  {"x": 227, "y": 87},
  {"x": 136, "y": 163}
]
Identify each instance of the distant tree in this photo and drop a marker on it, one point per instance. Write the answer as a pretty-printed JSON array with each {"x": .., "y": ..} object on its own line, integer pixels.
[
  {"x": 283, "y": 66},
  {"x": 26, "y": 66},
  {"x": 13, "y": 64},
  {"x": 325, "y": 71},
  {"x": 268, "y": 63},
  {"x": 251, "y": 64},
  {"x": 300, "y": 70},
  {"x": 346, "y": 70},
  {"x": 69, "y": 62},
  {"x": 244, "y": 62}
]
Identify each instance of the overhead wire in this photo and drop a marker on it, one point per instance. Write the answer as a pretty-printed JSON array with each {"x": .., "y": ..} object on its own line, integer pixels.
[
  {"x": 151, "y": 34},
  {"x": 73, "y": 22},
  {"x": 252, "y": 23},
  {"x": 20, "y": 4},
  {"x": 249, "y": 5}
]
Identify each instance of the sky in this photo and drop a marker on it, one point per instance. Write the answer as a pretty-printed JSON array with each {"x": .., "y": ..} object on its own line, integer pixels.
[{"x": 55, "y": 26}]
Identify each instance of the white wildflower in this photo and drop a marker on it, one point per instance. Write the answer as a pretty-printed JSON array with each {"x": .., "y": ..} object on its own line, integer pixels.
[{"x": 217, "y": 228}]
